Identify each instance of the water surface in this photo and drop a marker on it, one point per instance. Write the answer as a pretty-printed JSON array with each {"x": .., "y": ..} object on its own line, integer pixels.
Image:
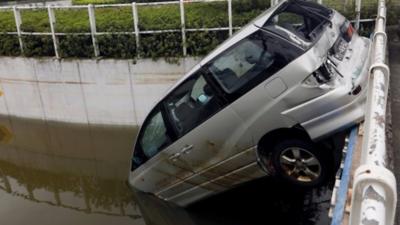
[{"x": 54, "y": 172}]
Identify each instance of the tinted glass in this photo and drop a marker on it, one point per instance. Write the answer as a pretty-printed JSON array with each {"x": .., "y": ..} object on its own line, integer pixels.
[
  {"x": 302, "y": 20},
  {"x": 152, "y": 138},
  {"x": 251, "y": 61},
  {"x": 191, "y": 103}
]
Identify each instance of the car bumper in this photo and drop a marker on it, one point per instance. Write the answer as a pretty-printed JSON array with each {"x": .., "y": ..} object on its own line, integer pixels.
[
  {"x": 337, "y": 120},
  {"x": 336, "y": 110}
]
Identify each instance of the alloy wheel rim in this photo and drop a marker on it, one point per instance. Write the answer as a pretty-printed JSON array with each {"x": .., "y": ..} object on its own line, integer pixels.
[{"x": 300, "y": 164}]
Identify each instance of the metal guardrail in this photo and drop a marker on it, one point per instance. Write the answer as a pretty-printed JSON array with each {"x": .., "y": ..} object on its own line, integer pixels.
[
  {"x": 135, "y": 17},
  {"x": 374, "y": 194},
  {"x": 374, "y": 188}
]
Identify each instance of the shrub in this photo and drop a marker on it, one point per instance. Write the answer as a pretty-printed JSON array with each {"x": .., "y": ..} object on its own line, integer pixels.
[
  {"x": 76, "y": 46},
  {"x": 117, "y": 46},
  {"x": 161, "y": 17},
  {"x": 38, "y": 46},
  {"x": 9, "y": 45}
]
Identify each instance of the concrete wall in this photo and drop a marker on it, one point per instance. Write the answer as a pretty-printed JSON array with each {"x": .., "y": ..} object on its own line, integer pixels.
[{"x": 110, "y": 92}]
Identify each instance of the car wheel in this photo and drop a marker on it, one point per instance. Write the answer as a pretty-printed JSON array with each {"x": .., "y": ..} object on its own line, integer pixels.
[{"x": 300, "y": 163}]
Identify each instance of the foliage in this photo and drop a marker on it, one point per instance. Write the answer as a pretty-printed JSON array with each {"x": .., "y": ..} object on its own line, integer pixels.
[{"x": 160, "y": 17}]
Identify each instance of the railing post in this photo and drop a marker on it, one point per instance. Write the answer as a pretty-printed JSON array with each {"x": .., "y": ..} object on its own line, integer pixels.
[
  {"x": 274, "y": 2},
  {"x": 230, "y": 17},
  {"x": 183, "y": 27},
  {"x": 358, "y": 14},
  {"x": 92, "y": 20},
  {"x": 136, "y": 27},
  {"x": 52, "y": 21},
  {"x": 374, "y": 196},
  {"x": 18, "y": 22}
]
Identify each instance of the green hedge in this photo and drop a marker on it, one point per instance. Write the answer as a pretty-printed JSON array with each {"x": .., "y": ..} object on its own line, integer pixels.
[{"x": 165, "y": 17}]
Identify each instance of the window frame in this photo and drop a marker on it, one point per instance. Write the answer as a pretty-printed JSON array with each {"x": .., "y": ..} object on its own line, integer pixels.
[
  {"x": 231, "y": 97},
  {"x": 310, "y": 6},
  {"x": 222, "y": 101},
  {"x": 171, "y": 129},
  {"x": 138, "y": 145}
]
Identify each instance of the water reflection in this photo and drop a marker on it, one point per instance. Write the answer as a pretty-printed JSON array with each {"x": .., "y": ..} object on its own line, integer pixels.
[
  {"x": 72, "y": 173},
  {"x": 76, "y": 174}
]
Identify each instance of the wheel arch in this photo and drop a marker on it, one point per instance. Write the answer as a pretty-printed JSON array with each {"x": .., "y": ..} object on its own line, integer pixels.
[
  {"x": 332, "y": 143},
  {"x": 271, "y": 138}
]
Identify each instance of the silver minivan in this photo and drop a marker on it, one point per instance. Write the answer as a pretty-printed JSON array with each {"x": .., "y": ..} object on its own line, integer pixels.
[{"x": 271, "y": 100}]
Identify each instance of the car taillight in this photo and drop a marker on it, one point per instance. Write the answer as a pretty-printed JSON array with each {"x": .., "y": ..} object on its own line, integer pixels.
[
  {"x": 347, "y": 31},
  {"x": 346, "y": 34}
]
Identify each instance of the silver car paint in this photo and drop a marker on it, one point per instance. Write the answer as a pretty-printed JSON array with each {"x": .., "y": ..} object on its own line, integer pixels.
[{"x": 219, "y": 159}]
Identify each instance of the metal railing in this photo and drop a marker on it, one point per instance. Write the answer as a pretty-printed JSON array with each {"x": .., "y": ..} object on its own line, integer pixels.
[
  {"x": 374, "y": 194},
  {"x": 374, "y": 187},
  {"x": 92, "y": 21},
  {"x": 135, "y": 17}
]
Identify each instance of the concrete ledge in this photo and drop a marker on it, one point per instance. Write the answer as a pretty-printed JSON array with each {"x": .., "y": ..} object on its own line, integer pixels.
[{"x": 116, "y": 92}]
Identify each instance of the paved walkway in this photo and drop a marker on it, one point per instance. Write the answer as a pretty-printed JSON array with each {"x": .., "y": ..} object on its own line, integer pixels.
[{"x": 394, "y": 63}]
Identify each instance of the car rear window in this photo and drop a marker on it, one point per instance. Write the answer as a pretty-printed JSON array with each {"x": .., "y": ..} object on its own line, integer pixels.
[
  {"x": 304, "y": 20},
  {"x": 251, "y": 61}
]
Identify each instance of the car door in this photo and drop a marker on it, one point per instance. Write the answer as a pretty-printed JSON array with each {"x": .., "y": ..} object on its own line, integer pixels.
[
  {"x": 208, "y": 131},
  {"x": 153, "y": 165}
]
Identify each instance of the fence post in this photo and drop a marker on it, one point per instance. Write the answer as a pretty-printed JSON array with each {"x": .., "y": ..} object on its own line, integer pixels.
[
  {"x": 230, "y": 17},
  {"x": 52, "y": 21},
  {"x": 92, "y": 20},
  {"x": 274, "y": 2},
  {"x": 136, "y": 27},
  {"x": 183, "y": 26},
  {"x": 18, "y": 21},
  {"x": 358, "y": 14}
]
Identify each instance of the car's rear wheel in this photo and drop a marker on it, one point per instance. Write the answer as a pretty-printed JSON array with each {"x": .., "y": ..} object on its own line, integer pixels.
[{"x": 300, "y": 162}]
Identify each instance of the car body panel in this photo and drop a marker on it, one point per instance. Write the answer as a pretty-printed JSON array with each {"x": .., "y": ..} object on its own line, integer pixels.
[
  {"x": 223, "y": 149},
  {"x": 220, "y": 138}
]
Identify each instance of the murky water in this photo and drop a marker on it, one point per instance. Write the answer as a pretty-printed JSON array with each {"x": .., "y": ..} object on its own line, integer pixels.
[{"x": 53, "y": 172}]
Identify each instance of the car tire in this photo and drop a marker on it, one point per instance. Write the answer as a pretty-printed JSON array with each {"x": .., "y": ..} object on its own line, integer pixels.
[{"x": 300, "y": 162}]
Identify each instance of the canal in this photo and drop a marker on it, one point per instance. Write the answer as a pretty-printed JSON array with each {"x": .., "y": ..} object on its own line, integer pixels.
[{"x": 65, "y": 173}]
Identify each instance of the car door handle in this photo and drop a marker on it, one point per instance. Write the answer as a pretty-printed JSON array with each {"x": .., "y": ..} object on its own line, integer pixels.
[
  {"x": 187, "y": 149},
  {"x": 175, "y": 156}
]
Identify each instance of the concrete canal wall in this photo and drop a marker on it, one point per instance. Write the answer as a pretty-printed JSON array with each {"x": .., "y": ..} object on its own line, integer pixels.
[{"x": 110, "y": 92}]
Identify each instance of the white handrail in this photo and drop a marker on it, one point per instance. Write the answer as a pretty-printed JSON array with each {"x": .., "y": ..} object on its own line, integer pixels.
[{"x": 374, "y": 188}]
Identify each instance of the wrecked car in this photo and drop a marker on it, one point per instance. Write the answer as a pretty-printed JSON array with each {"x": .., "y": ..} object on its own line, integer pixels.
[{"x": 271, "y": 100}]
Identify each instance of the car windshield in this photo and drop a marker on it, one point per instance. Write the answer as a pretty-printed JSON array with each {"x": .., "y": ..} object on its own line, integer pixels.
[{"x": 299, "y": 21}]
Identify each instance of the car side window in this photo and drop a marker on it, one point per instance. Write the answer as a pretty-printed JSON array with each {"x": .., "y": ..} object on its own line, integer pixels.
[
  {"x": 154, "y": 136},
  {"x": 251, "y": 61},
  {"x": 191, "y": 103}
]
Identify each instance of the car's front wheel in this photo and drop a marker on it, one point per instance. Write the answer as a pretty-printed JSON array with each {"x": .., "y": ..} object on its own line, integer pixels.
[{"x": 300, "y": 162}]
